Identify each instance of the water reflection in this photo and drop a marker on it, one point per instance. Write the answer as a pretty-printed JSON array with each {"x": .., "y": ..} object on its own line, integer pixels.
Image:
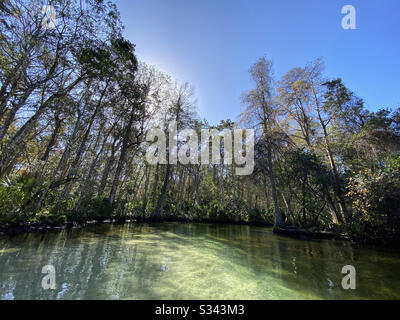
[{"x": 190, "y": 261}]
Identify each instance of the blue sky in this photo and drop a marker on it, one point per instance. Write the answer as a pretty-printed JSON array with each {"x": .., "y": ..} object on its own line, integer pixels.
[{"x": 212, "y": 44}]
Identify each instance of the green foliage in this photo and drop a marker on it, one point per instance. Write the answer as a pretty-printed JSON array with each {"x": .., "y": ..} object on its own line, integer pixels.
[
  {"x": 311, "y": 182},
  {"x": 375, "y": 194},
  {"x": 46, "y": 217},
  {"x": 261, "y": 216},
  {"x": 92, "y": 209},
  {"x": 17, "y": 196}
]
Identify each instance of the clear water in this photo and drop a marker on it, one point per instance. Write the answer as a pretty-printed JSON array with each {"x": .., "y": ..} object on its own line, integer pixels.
[{"x": 191, "y": 261}]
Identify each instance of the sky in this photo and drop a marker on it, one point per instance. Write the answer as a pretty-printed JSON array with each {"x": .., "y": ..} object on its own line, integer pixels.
[{"x": 212, "y": 44}]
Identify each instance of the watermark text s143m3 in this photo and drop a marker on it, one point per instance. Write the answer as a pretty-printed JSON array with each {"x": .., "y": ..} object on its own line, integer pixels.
[{"x": 186, "y": 148}]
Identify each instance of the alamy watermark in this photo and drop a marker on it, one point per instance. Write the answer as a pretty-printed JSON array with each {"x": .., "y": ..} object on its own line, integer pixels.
[
  {"x": 49, "y": 280},
  {"x": 49, "y": 18},
  {"x": 349, "y": 20},
  {"x": 349, "y": 281},
  {"x": 188, "y": 151}
]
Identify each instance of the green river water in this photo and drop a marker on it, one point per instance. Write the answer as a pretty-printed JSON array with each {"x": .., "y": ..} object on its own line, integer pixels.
[{"x": 191, "y": 261}]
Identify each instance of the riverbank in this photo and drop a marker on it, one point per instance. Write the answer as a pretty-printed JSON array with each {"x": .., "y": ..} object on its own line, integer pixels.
[
  {"x": 12, "y": 228},
  {"x": 305, "y": 234},
  {"x": 288, "y": 231}
]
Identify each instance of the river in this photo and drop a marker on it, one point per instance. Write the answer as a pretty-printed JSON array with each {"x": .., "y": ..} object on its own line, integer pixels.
[{"x": 191, "y": 261}]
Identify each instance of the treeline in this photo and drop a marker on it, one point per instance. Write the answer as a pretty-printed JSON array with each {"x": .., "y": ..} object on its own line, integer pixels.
[
  {"x": 76, "y": 105},
  {"x": 326, "y": 160}
]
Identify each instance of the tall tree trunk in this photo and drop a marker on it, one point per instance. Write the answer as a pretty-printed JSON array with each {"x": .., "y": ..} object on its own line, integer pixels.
[
  {"x": 155, "y": 184},
  {"x": 157, "y": 213},
  {"x": 107, "y": 169},
  {"x": 53, "y": 138},
  {"x": 146, "y": 187},
  {"x": 74, "y": 167},
  {"x": 338, "y": 193},
  {"x": 182, "y": 192},
  {"x": 121, "y": 160},
  {"x": 63, "y": 160},
  {"x": 86, "y": 182},
  {"x": 279, "y": 220}
]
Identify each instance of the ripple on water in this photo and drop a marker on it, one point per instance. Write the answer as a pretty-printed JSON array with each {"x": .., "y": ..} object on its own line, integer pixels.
[{"x": 190, "y": 261}]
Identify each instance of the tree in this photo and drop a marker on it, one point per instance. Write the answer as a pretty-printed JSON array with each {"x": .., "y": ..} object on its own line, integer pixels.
[
  {"x": 181, "y": 113},
  {"x": 262, "y": 112}
]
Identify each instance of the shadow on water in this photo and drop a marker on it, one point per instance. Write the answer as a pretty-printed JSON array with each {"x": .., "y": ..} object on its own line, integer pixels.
[{"x": 190, "y": 261}]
